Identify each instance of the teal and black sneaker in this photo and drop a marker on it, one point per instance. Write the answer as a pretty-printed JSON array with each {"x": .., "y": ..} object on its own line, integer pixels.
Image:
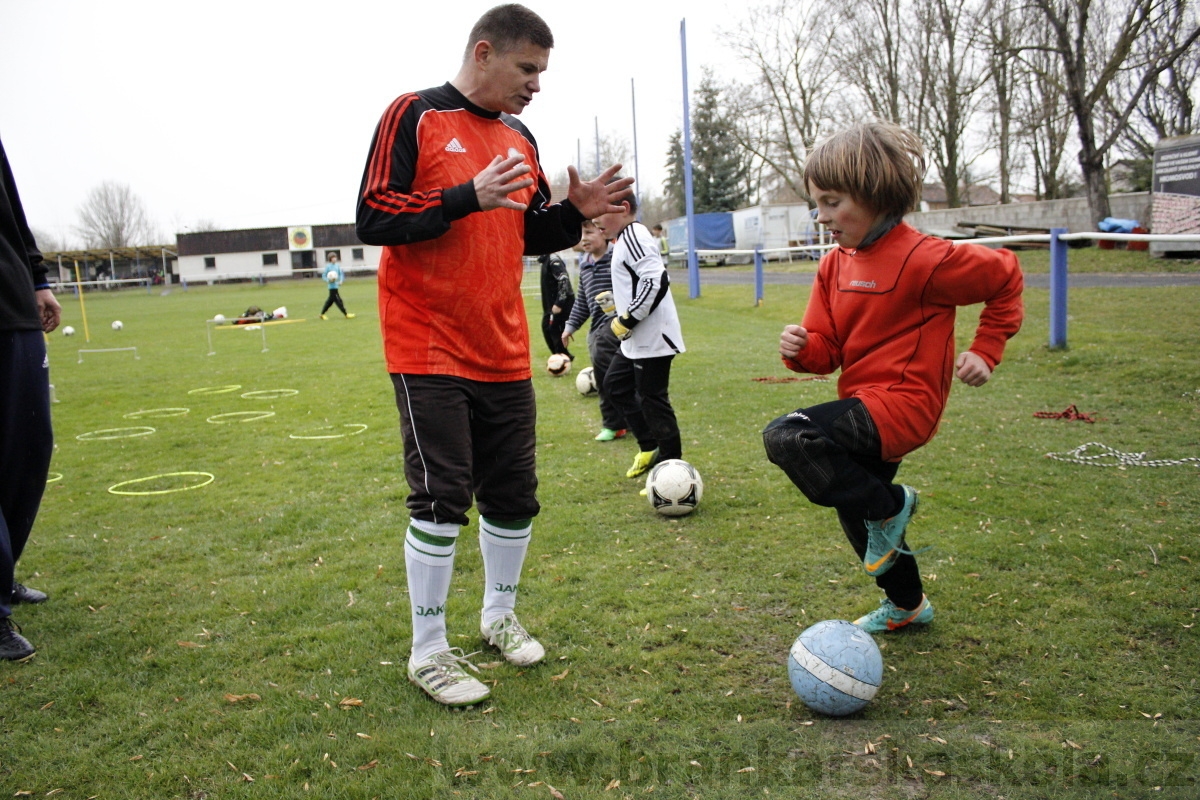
[
  {"x": 885, "y": 538},
  {"x": 889, "y": 617}
]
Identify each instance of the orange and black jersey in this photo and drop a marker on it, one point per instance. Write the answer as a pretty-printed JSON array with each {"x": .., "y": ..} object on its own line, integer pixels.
[{"x": 450, "y": 275}]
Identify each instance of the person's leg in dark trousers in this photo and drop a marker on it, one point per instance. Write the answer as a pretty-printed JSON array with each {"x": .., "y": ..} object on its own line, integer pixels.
[
  {"x": 503, "y": 436},
  {"x": 602, "y": 346},
  {"x": 26, "y": 445},
  {"x": 652, "y": 377},
  {"x": 621, "y": 383},
  {"x": 334, "y": 297},
  {"x": 553, "y": 326},
  {"x": 435, "y": 422},
  {"x": 831, "y": 453}
]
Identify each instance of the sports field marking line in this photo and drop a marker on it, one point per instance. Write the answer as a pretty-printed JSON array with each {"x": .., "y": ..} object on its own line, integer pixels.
[
  {"x": 232, "y": 387},
  {"x": 834, "y": 677},
  {"x": 122, "y": 433},
  {"x": 80, "y": 353},
  {"x": 116, "y": 486},
  {"x": 242, "y": 416},
  {"x": 157, "y": 413},
  {"x": 270, "y": 394},
  {"x": 361, "y": 427}
]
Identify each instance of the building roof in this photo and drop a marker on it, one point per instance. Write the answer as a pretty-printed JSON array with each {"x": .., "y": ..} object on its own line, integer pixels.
[
  {"x": 147, "y": 251},
  {"x": 254, "y": 240}
]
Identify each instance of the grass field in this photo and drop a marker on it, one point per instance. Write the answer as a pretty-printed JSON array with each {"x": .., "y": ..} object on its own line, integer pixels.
[{"x": 247, "y": 638}]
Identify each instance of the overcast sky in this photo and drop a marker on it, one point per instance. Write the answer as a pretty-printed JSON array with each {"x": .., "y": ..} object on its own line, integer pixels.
[{"x": 259, "y": 113}]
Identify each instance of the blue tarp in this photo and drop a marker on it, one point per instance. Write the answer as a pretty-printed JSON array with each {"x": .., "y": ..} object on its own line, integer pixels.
[
  {"x": 714, "y": 231},
  {"x": 1114, "y": 225}
]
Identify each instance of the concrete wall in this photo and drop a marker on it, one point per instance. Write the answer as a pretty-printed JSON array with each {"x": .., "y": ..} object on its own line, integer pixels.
[
  {"x": 1071, "y": 214},
  {"x": 243, "y": 265},
  {"x": 249, "y": 264}
]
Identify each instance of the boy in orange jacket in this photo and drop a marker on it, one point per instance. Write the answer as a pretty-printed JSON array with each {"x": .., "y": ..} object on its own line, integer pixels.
[{"x": 882, "y": 310}]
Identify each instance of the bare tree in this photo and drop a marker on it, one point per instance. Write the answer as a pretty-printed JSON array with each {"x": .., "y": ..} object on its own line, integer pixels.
[
  {"x": 1000, "y": 27},
  {"x": 872, "y": 55},
  {"x": 113, "y": 216},
  {"x": 1168, "y": 106},
  {"x": 1096, "y": 44},
  {"x": 1044, "y": 120},
  {"x": 951, "y": 63},
  {"x": 789, "y": 105},
  {"x": 48, "y": 242}
]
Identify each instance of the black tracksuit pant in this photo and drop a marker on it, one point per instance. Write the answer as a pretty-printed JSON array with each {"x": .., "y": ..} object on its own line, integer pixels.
[
  {"x": 831, "y": 452},
  {"x": 26, "y": 444}
]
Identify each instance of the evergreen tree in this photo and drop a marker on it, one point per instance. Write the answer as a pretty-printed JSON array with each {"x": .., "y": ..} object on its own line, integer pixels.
[{"x": 720, "y": 167}]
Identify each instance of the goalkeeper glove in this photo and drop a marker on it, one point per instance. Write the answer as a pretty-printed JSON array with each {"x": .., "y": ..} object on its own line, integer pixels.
[
  {"x": 607, "y": 302},
  {"x": 622, "y": 327}
]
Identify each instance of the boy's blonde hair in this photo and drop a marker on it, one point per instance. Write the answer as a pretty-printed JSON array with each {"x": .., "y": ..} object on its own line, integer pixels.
[{"x": 879, "y": 164}]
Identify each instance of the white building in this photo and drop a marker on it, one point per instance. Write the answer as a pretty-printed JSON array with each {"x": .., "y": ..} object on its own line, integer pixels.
[{"x": 266, "y": 253}]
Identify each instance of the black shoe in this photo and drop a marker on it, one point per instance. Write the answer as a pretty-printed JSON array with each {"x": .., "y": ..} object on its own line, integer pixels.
[
  {"x": 23, "y": 594},
  {"x": 13, "y": 646}
]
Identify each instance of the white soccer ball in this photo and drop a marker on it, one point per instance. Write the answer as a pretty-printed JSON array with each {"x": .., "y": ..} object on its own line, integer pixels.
[
  {"x": 68, "y": 331},
  {"x": 558, "y": 365},
  {"x": 585, "y": 381},
  {"x": 219, "y": 318},
  {"x": 674, "y": 488},
  {"x": 331, "y": 276},
  {"x": 117, "y": 325}
]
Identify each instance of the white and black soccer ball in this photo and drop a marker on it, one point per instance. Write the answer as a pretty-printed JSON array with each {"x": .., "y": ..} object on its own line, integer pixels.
[
  {"x": 674, "y": 488},
  {"x": 585, "y": 381},
  {"x": 558, "y": 365},
  {"x": 835, "y": 667},
  {"x": 117, "y": 325},
  {"x": 331, "y": 276},
  {"x": 219, "y": 318},
  {"x": 68, "y": 331}
]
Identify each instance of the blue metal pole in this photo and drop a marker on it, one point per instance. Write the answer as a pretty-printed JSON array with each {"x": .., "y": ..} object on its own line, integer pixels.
[
  {"x": 1058, "y": 289},
  {"x": 758, "y": 275},
  {"x": 637, "y": 181},
  {"x": 689, "y": 203}
]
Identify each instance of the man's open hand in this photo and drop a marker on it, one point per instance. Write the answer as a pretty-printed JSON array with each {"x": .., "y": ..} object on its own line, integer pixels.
[
  {"x": 501, "y": 178},
  {"x": 598, "y": 196}
]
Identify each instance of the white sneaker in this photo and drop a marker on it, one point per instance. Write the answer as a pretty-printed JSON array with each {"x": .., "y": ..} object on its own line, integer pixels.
[
  {"x": 444, "y": 678},
  {"x": 513, "y": 640}
]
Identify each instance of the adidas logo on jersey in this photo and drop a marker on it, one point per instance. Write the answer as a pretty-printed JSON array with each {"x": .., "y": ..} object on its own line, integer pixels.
[{"x": 455, "y": 146}]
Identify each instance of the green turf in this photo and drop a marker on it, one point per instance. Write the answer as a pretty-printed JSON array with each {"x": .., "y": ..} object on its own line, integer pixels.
[{"x": 246, "y": 639}]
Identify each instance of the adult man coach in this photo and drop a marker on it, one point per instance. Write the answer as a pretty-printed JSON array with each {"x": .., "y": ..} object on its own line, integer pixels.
[
  {"x": 27, "y": 309},
  {"x": 454, "y": 191}
]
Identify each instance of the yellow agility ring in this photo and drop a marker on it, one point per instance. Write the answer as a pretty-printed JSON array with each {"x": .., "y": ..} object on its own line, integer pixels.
[
  {"x": 115, "y": 433},
  {"x": 233, "y": 387},
  {"x": 239, "y": 416},
  {"x": 357, "y": 425},
  {"x": 51, "y": 477},
  {"x": 270, "y": 394},
  {"x": 158, "y": 413},
  {"x": 116, "y": 487}
]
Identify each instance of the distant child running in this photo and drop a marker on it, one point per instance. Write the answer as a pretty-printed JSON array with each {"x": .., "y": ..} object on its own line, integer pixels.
[
  {"x": 647, "y": 324},
  {"x": 882, "y": 310},
  {"x": 333, "y": 278}
]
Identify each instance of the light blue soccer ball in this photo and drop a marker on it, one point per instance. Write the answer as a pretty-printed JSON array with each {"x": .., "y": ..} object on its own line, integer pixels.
[{"x": 835, "y": 667}]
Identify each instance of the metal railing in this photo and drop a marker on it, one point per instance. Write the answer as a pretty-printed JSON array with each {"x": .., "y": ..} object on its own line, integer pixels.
[{"x": 1057, "y": 239}]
